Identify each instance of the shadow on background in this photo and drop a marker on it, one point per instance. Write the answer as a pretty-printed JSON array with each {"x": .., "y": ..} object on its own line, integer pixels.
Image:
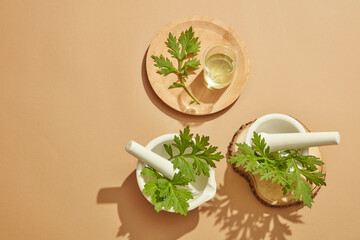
[
  {"x": 138, "y": 217},
  {"x": 184, "y": 119},
  {"x": 241, "y": 216}
]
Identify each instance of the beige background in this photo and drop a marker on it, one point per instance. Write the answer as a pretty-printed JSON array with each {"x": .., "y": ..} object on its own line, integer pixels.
[{"x": 73, "y": 92}]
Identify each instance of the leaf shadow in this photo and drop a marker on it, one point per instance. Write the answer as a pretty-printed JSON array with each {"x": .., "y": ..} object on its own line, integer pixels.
[
  {"x": 138, "y": 218},
  {"x": 241, "y": 216}
]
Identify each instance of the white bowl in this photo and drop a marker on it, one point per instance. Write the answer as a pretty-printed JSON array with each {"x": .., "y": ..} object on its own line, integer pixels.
[{"x": 203, "y": 189}]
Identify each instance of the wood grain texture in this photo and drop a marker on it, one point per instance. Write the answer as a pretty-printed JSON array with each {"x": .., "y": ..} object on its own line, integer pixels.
[
  {"x": 209, "y": 31},
  {"x": 268, "y": 193}
]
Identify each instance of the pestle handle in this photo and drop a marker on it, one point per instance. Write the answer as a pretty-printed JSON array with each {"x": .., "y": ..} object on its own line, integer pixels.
[
  {"x": 284, "y": 141},
  {"x": 152, "y": 159}
]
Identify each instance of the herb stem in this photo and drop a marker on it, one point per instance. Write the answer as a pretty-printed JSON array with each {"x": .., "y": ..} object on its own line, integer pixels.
[
  {"x": 187, "y": 90},
  {"x": 183, "y": 82},
  {"x": 179, "y": 66},
  {"x": 183, "y": 155}
]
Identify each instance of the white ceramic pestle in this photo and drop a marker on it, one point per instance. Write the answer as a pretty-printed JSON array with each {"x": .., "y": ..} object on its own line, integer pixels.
[
  {"x": 152, "y": 159},
  {"x": 282, "y": 132},
  {"x": 284, "y": 141}
]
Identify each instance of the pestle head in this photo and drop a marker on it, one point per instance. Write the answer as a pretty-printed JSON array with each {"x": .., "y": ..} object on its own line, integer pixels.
[
  {"x": 337, "y": 137},
  {"x": 129, "y": 146},
  {"x": 152, "y": 159}
]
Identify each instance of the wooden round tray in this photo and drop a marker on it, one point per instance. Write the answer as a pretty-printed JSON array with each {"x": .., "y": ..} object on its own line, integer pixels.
[
  {"x": 209, "y": 31},
  {"x": 265, "y": 191}
]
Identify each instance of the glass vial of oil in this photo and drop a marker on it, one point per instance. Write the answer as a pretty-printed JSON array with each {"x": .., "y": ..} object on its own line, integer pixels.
[{"x": 220, "y": 65}]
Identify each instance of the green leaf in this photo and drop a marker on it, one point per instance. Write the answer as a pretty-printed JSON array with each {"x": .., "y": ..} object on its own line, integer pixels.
[
  {"x": 239, "y": 160},
  {"x": 164, "y": 194},
  {"x": 150, "y": 188},
  {"x": 190, "y": 64},
  {"x": 180, "y": 179},
  {"x": 164, "y": 186},
  {"x": 158, "y": 206},
  {"x": 199, "y": 144},
  {"x": 178, "y": 200},
  {"x": 149, "y": 172},
  {"x": 210, "y": 156},
  {"x": 196, "y": 156},
  {"x": 175, "y": 85},
  {"x": 314, "y": 177},
  {"x": 174, "y": 46},
  {"x": 303, "y": 192},
  {"x": 309, "y": 162},
  {"x": 165, "y": 65},
  {"x": 168, "y": 149},
  {"x": 259, "y": 144},
  {"x": 189, "y": 44},
  {"x": 185, "y": 167},
  {"x": 173, "y": 197},
  {"x": 245, "y": 150},
  {"x": 200, "y": 167},
  {"x": 182, "y": 142}
]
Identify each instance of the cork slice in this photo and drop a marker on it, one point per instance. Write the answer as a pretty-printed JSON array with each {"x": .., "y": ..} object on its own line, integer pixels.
[{"x": 268, "y": 193}]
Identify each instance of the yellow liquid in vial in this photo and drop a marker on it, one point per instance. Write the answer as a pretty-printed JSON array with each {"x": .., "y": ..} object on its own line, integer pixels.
[{"x": 219, "y": 66}]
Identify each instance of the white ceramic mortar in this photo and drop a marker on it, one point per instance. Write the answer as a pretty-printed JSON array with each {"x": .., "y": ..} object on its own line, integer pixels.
[
  {"x": 203, "y": 189},
  {"x": 275, "y": 123}
]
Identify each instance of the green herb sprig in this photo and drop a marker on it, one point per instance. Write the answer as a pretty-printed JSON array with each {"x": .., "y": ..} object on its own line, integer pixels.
[
  {"x": 195, "y": 157},
  {"x": 165, "y": 193},
  {"x": 287, "y": 168},
  {"x": 189, "y": 46}
]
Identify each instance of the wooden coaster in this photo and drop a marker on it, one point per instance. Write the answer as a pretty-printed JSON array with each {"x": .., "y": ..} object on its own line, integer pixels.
[
  {"x": 209, "y": 31},
  {"x": 268, "y": 193}
]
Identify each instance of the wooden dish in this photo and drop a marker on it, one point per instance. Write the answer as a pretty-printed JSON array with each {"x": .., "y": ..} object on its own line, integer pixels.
[
  {"x": 268, "y": 193},
  {"x": 209, "y": 31}
]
